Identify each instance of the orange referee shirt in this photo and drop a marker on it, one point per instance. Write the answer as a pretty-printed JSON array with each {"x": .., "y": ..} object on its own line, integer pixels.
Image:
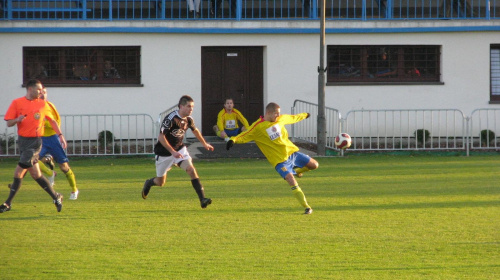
[{"x": 35, "y": 111}]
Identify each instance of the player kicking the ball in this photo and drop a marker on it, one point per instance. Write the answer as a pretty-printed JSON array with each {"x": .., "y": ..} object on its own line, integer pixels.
[
  {"x": 170, "y": 149},
  {"x": 271, "y": 136}
]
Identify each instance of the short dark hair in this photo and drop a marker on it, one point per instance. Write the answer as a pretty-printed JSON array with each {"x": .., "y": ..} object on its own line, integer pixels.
[
  {"x": 271, "y": 107},
  {"x": 32, "y": 83},
  {"x": 184, "y": 100}
]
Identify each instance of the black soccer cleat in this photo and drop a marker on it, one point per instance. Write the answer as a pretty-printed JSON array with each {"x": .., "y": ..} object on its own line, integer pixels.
[
  {"x": 4, "y": 208},
  {"x": 146, "y": 188},
  {"x": 58, "y": 202},
  {"x": 308, "y": 211},
  {"x": 205, "y": 202},
  {"x": 229, "y": 144}
]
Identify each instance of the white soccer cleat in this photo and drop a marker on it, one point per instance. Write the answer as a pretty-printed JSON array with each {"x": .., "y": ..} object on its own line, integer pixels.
[
  {"x": 52, "y": 179},
  {"x": 74, "y": 195}
]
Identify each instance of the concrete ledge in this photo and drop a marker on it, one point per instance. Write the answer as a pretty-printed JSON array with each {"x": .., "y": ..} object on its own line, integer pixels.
[{"x": 248, "y": 150}]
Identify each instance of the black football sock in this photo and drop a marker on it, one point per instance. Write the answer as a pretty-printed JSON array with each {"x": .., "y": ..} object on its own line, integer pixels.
[
  {"x": 151, "y": 182},
  {"x": 14, "y": 187},
  {"x": 44, "y": 183},
  {"x": 198, "y": 188}
]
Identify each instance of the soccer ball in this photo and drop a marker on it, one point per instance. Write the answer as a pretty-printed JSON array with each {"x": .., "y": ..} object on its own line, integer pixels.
[{"x": 343, "y": 141}]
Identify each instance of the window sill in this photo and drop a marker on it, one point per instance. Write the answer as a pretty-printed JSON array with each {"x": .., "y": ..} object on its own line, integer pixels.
[
  {"x": 90, "y": 85},
  {"x": 384, "y": 83}
]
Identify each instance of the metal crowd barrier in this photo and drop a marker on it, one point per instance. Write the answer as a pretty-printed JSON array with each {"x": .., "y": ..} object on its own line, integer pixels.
[
  {"x": 485, "y": 127},
  {"x": 95, "y": 135},
  {"x": 400, "y": 130},
  {"x": 370, "y": 130},
  {"x": 306, "y": 130}
]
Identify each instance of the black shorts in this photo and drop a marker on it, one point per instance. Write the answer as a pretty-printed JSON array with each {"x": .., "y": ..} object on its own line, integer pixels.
[{"x": 29, "y": 147}]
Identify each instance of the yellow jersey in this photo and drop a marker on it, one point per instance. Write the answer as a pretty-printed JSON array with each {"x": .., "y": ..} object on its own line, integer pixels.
[
  {"x": 271, "y": 137},
  {"x": 229, "y": 121},
  {"x": 49, "y": 131}
]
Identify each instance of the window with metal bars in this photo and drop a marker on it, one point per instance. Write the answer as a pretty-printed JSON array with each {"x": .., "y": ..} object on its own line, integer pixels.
[
  {"x": 383, "y": 64},
  {"x": 83, "y": 66},
  {"x": 495, "y": 73}
]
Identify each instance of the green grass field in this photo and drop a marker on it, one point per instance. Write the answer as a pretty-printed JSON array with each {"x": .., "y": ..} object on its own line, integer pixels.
[{"x": 375, "y": 217}]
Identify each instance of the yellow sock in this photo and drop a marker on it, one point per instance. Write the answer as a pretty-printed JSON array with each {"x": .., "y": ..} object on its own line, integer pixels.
[
  {"x": 45, "y": 170},
  {"x": 71, "y": 180},
  {"x": 301, "y": 170},
  {"x": 297, "y": 192}
]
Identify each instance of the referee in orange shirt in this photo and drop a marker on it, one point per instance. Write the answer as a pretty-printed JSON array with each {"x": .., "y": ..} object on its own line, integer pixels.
[{"x": 29, "y": 113}]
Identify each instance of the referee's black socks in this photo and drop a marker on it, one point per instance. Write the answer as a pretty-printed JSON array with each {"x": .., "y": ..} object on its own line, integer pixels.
[
  {"x": 14, "y": 187},
  {"x": 44, "y": 183}
]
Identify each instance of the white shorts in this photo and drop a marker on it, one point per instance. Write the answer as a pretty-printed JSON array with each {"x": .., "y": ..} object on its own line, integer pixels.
[{"x": 164, "y": 164}]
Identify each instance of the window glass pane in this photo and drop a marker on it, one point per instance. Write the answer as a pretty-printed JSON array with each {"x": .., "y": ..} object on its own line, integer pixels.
[
  {"x": 82, "y": 66},
  {"x": 495, "y": 72},
  {"x": 383, "y": 64}
]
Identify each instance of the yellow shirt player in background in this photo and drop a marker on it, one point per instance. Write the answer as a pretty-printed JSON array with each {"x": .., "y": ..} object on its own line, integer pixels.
[
  {"x": 271, "y": 136},
  {"x": 227, "y": 121},
  {"x": 51, "y": 148}
]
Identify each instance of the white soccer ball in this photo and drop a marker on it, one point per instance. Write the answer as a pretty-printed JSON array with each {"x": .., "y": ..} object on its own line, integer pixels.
[{"x": 343, "y": 141}]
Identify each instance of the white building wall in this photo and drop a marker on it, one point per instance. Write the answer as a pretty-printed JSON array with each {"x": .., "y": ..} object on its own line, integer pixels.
[{"x": 171, "y": 67}]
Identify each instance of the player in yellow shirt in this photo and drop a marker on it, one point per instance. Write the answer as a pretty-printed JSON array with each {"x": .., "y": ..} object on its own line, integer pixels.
[
  {"x": 271, "y": 136},
  {"x": 227, "y": 121},
  {"x": 52, "y": 146}
]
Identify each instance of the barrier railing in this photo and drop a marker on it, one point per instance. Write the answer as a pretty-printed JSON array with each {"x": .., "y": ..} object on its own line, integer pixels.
[
  {"x": 399, "y": 130},
  {"x": 247, "y": 9},
  {"x": 306, "y": 130},
  {"x": 406, "y": 129},
  {"x": 125, "y": 134},
  {"x": 484, "y": 128},
  {"x": 371, "y": 130}
]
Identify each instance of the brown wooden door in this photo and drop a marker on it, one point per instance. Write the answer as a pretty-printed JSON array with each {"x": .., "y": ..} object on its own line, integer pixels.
[{"x": 235, "y": 72}]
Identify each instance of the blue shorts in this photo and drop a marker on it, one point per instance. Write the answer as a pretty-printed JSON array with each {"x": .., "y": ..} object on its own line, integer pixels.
[
  {"x": 296, "y": 159},
  {"x": 232, "y": 132},
  {"x": 52, "y": 146}
]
